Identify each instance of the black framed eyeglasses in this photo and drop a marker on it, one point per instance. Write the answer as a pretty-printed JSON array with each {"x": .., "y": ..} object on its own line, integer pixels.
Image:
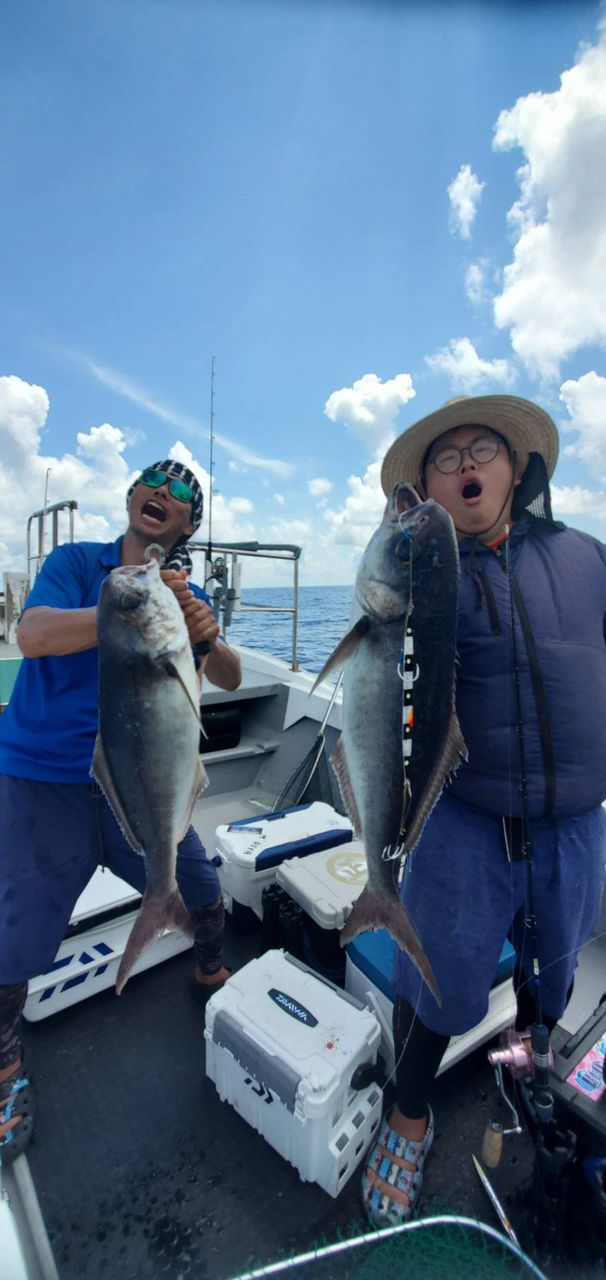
[
  {"x": 449, "y": 459},
  {"x": 178, "y": 489}
]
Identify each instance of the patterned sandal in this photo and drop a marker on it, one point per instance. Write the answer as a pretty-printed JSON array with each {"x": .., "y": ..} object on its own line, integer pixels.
[
  {"x": 381, "y": 1210},
  {"x": 16, "y": 1101}
]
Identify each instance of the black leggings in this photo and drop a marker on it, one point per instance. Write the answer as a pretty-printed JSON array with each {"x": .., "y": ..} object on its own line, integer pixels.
[{"x": 419, "y": 1053}]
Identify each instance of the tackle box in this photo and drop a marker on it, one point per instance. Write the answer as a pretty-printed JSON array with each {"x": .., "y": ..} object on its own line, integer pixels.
[
  {"x": 577, "y": 1078},
  {"x": 249, "y": 851},
  {"x": 368, "y": 976},
  {"x": 325, "y": 885},
  {"x": 287, "y": 1050}
]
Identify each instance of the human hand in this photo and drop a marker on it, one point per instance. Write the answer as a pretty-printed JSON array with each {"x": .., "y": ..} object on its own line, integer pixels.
[{"x": 200, "y": 620}]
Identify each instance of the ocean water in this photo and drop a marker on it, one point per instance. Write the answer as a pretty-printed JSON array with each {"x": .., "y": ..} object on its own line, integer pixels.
[{"x": 322, "y": 622}]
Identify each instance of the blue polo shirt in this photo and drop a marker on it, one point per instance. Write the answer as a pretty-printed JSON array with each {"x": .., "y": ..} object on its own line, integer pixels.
[{"x": 48, "y": 730}]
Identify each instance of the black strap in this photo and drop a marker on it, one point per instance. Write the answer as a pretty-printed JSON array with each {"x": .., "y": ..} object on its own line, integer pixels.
[{"x": 540, "y": 696}]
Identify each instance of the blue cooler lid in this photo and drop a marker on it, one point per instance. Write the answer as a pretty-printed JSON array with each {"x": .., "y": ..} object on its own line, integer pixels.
[
  {"x": 294, "y": 847},
  {"x": 374, "y": 954}
]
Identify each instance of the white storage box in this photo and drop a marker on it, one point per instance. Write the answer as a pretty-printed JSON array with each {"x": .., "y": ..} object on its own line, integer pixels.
[
  {"x": 282, "y": 1046},
  {"x": 88, "y": 960},
  {"x": 326, "y": 886},
  {"x": 252, "y": 849},
  {"x": 370, "y": 959}
]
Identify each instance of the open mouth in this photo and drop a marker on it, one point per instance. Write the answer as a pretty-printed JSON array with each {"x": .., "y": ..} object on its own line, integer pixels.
[
  {"x": 154, "y": 511},
  {"x": 471, "y": 489}
]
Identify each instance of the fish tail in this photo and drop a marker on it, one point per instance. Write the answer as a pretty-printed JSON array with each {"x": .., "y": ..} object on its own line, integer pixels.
[
  {"x": 373, "y": 911},
  {"x": 155, "y": 916}
]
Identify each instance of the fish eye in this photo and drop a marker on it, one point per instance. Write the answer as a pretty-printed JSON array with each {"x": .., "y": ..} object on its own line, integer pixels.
[{"x": 129, "y": 600}]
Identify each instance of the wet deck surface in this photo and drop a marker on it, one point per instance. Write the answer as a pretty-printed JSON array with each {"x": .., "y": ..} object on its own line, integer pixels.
[{"x": 142, "y": 1172}]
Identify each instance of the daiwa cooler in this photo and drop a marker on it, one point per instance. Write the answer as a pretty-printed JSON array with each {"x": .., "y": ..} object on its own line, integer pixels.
[{"x": 296, "y": 1058}]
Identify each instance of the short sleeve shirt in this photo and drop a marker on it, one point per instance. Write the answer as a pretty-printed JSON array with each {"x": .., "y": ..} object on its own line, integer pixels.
[{"x": 48, "y": 730}]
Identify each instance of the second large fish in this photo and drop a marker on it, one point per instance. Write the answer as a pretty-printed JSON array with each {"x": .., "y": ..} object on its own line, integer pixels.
[
  {"x": 146, "y": 757},
  {"x": 407, "y": 583}
]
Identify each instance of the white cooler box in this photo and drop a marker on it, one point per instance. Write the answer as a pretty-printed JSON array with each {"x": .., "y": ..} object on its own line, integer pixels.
[
  {"x": 326, "y": 886},
  {"x": 252, "y": 849},
  {"x": 282, "y": 1046}
]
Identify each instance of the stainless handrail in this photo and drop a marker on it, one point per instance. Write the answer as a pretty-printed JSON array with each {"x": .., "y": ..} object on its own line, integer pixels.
[
  {"x": 256, "y": 551},
  {"x": 70, "y": 505}
]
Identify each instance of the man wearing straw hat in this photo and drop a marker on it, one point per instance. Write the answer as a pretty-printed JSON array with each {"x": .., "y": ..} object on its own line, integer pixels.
[{"x": 525, "y": 577}]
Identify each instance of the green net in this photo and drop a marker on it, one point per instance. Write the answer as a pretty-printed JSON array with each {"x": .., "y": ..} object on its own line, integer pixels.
[{"x": 427, "y": 1249}]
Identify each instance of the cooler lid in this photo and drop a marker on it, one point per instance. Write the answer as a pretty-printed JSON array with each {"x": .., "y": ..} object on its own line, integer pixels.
[
  {"x": 265, "y": 840},
  {"x": 326, "y": 884},
  {"x": 293, "y": 1032}
]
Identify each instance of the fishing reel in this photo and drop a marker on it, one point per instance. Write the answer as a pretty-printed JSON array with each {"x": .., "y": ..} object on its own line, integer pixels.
[{"x": 528, "y": 1058}]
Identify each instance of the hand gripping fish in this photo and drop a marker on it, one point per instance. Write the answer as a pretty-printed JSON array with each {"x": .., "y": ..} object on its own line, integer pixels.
[
  {"x": 146, "y": 758},
  {"x": 401, "y": 738}
]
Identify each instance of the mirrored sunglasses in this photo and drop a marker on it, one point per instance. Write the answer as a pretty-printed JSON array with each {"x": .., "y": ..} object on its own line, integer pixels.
[{"x": 178, "y": 489}]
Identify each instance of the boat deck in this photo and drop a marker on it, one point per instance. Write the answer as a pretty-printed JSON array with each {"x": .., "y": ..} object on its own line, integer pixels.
[{"x": 142, "y": 1172}]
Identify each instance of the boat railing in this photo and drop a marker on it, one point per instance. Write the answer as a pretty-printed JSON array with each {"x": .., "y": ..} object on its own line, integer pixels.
[
  {"x": 223, "y": 569},
  {"x": 35, "y": 559}
]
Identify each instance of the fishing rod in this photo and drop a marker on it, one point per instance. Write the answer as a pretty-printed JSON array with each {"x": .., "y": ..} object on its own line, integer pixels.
[{"x": 548, "y": 1200}]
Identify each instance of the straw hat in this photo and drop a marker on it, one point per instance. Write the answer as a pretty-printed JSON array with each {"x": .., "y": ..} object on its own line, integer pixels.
[{"x": 526, "y": 428}]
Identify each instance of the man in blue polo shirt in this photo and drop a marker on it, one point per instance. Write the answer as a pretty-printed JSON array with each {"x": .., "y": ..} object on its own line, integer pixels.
[{"x": 55, "y": 826}]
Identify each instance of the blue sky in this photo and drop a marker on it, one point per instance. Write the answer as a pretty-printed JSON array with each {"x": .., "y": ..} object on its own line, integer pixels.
[{"x": 360, "y": 209}]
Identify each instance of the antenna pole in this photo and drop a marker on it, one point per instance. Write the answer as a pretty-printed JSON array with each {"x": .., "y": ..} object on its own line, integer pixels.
[{"x": 212, "y": 440}]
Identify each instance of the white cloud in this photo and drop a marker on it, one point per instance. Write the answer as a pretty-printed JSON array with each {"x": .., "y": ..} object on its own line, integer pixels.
[
  {"x": 279, "y": 498},
  {"x": 554, "y": 291},
  {"x": 370, "y": 407},
  {"x": 574, "y": 500},
  {"x": 354, "y": 522},
  {"x": 319, "y": 487},
  {"x": 23, "y": 412},
  {"x": 466, "y": 369},
  {"x": 126, "y": 387},
  {"x": 96, "y": 474},
  {"x": 585, "y": 400},
  {"x": 475, "y": 281},
  {"x": 464, "y": 193}
]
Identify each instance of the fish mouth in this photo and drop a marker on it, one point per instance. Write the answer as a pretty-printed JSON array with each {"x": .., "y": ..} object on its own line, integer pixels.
[
  {"x": 471, "y": 491},
  {"x": 154, "y": 511}
]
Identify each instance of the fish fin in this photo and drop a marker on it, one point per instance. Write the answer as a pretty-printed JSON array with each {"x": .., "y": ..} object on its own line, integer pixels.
[
  {"x": 155, "y": 915},
  {"x": 340, "y": 768},
  {"x": 102, "y": 774},
  {"x": 172, "y": 671},
  {"x": 453, "y": 752},
  {"x": 373, "y": 911},
  {"x": 200, "y": 784},
  {"x": 345, "y": 648}
]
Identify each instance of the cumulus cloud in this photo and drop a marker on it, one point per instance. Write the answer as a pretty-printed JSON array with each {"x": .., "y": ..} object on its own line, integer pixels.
[
  {"x": 319, "y": 487},
  {"x": 553, "y": 299},
  {"x": 585, "y": 400},
  {"x": 574, "y": 500},
  {"x": 464, "y": 193},
  {"x": 466, "y": 369},
  {"x": 279, "y": 498},
  {"x": 353, "y": 523},
  {"x": 370, "y": 407},
  {"x": 96, "y": 474}
]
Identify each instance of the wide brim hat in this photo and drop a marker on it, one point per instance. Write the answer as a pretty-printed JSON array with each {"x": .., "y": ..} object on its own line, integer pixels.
[{"x": 526, "y": 427}]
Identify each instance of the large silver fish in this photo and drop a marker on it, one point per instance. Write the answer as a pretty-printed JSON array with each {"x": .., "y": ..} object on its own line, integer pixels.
[
  {"x": 146, "y": 758},
  {"x": 411, "y": 560}
]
